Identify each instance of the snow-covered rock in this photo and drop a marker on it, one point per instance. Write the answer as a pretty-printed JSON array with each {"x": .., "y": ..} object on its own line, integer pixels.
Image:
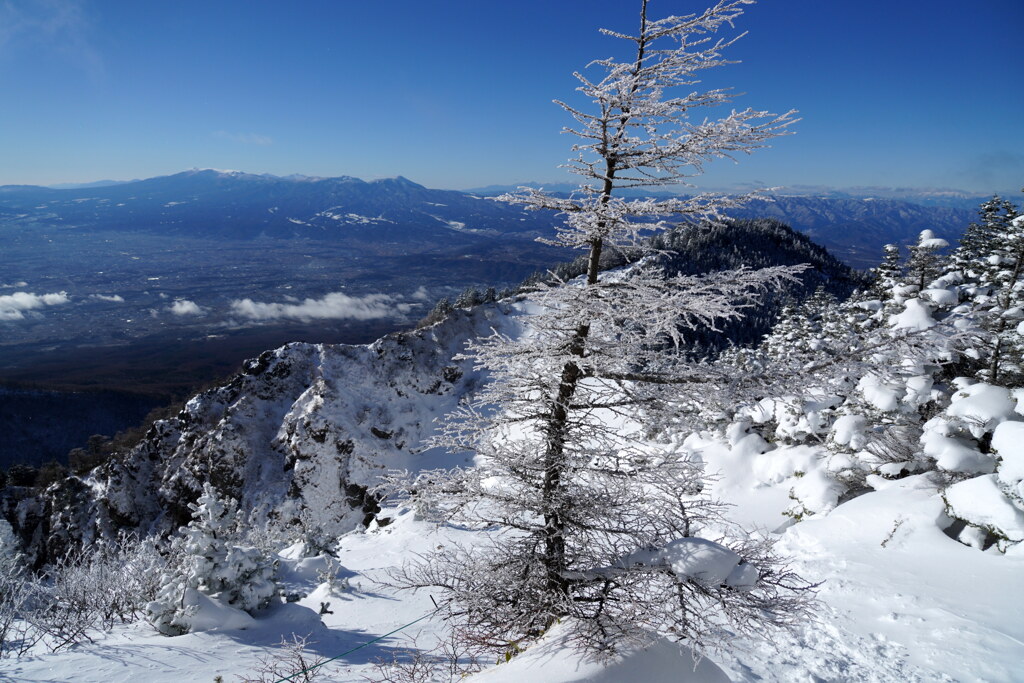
[
  {"x": 982, "y": 406},
  {"x": 916, "y": 315},
  {"x": 1008, "y": 443},
  {"x": 981, "y": 503}
]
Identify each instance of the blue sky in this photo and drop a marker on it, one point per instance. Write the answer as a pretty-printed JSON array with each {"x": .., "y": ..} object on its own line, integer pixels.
[{"x": 457, "y": 93}]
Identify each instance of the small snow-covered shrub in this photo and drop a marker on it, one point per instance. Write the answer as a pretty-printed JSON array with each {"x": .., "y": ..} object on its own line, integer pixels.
[
  {"x": 449, "y": 661},
  {"x": 15, "y": 592},
  {"x": 292, "y": 661},
  {"x": 213, "y": 563},
  {"x": 329, "y": 575},
  {"x": 83, "y": 593}
]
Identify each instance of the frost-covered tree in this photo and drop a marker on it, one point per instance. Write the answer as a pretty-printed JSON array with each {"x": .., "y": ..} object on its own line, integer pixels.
[
  {"x": 887, "y": 274},
  {"x": 971, "y": 256},
  {"x": 925, "y": 262},
  {"x": 14, "y": 592},
  {"x": 210, "y": 560},
  {"x": 597, "y": 527},
  {"x": 991, "y": 259}
]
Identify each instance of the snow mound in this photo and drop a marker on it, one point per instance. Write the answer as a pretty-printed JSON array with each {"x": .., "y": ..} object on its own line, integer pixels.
[
  {"x": 702, "y": 560},
  {"x": 848, "y": 430},
  {"x": 982, "y": 406},
  {"x": 916, "y": 315},
  {"x": 1008, "y": 442},
  {"x": 553, "y": 660},
  {"x": 954, "y": 454},
  {"x": 943, "y": 298},
  {"x": 981, "y": 503},
  {"x": 203, "y": 613}
]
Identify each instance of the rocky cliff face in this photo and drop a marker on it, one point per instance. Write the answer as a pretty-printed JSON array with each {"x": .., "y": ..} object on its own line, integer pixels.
[{"x": 298, "y": 437}]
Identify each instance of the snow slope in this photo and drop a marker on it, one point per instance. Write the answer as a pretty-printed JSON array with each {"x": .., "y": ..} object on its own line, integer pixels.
[{"x": 900, "y": 601}]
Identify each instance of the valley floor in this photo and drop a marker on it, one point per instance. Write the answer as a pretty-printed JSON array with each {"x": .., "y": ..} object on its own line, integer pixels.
[{"x": 900, "y": 601}]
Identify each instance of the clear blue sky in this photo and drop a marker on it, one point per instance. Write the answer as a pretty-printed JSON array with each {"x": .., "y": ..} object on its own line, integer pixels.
[{"x": 457, "y": 93}]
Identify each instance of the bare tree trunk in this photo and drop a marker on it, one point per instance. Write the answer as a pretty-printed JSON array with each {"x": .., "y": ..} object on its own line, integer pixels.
[{"x": 555, "y": 561}]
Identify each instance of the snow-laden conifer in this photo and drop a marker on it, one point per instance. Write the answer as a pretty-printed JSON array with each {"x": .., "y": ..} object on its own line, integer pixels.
[
  {"x": 887, "y": 274},
  {"x": 926, "y": 261},
  {"x": 209, "y": 559},
  {"x": 991, "y": 263},
  {"x": 593, "y": 524}
]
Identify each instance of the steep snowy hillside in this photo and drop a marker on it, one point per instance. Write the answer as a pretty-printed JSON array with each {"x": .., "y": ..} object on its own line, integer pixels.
[{"x": 303, "y": 427}]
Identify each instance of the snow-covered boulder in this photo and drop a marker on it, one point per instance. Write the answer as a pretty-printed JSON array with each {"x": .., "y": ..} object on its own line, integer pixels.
[
  {"x": 916, "y": 315},
  {"x": 981, "y": 503},
  {"x": 953, "y": 453},
  {"x": 980, "y": 407},
  {"x": 1008, "y": 443}
]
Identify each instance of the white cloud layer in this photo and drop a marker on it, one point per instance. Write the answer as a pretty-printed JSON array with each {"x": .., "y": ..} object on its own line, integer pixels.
[
  {"x": 114, "y": 298},
  {"x": 13, "y": 306},
  {"x": 333, "y": 306},
  {"x": 185, "y": 307}
]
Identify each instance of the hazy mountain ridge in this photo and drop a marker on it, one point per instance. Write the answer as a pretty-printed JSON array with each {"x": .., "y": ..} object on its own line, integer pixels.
[
  {"x": 208, "y": 203},
  {"x": 856, "y": 229},
  {"x": 235, "y": 205}
]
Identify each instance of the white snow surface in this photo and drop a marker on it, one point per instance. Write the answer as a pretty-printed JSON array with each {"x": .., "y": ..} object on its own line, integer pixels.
[
  {"x": 980, "y": 502},
  {"x": 916, "y": 315},
  {"x": 1008, "y": 443},
  {"x": 899, "y": 599}
]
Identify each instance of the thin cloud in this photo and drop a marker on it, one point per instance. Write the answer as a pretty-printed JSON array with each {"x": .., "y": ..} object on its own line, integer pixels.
[
  {"x": 994, "y": 170},
  {"x": 113, "y": 298},
  {"x": 57, "y": 25},
  {"x": 333, "y": 306},
  {"x": 185, "y": 307},
  {"x": 13, "y": 306},
  {"x": 245, "y": 138}
]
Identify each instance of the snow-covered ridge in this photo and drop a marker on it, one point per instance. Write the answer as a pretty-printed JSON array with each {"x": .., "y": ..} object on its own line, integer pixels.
[{"x": 305, "y": 426}]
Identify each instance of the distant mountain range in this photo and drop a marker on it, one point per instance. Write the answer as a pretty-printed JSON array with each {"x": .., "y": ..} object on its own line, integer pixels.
[
  {"x": 395, "y": 213},
  {"x": 948, "y": 197},
  {"x": 235, "y": 205}
]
